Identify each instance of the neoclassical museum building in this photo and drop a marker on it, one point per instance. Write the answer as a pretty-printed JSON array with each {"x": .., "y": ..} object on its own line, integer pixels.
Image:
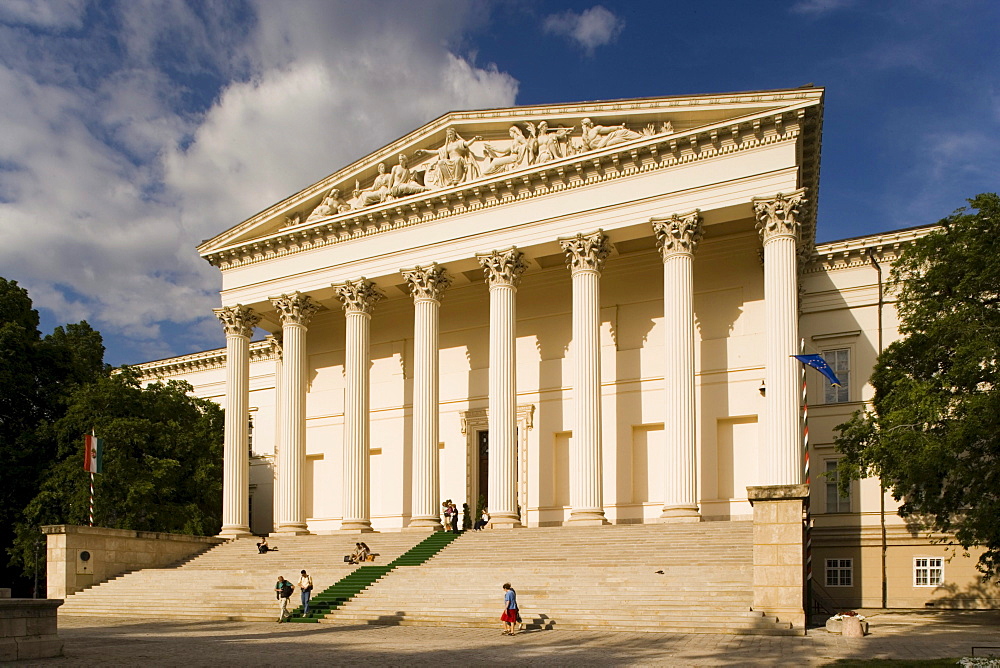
[{"x": 574, "y": 314}]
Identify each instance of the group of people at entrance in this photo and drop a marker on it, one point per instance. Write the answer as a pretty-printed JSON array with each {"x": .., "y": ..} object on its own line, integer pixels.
[
  {"x": 451, "y": 514},
  {"x": 283, "y": 590}
]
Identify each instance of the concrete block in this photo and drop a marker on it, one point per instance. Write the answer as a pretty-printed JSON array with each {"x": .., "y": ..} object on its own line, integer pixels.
[{"x": 8, "y": 649}]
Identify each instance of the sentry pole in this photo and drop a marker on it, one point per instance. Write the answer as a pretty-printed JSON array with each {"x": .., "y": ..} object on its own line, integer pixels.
[
  {"x": 91, "y": 498},
  {"x": 808, "y": 514}
]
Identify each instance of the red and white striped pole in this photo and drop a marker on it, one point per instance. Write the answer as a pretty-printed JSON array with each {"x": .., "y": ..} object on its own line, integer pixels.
[
  {"x": 91, "y": 498},
  {"x": 808, "y": 514}
]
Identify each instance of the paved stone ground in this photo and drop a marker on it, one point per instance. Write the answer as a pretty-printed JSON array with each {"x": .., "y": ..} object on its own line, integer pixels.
[{"x": 132, "y": 642}]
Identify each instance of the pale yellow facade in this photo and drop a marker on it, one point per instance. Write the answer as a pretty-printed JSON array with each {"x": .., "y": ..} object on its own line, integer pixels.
[{"x": 720, "y": 169}]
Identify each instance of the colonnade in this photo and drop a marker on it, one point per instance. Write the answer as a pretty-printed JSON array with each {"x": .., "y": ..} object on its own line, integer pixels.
[{"x": 678, "y": 235}]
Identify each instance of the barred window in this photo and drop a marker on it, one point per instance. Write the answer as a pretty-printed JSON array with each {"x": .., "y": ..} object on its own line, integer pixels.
[
  {"x": 928, "y": 571},
  {"x": 840, "y": 361},
  {"x": 839, "y": 572}
]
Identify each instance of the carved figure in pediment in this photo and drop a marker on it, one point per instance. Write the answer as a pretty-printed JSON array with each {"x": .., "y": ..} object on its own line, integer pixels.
[
  {"x": 404, "y": 180},
  {"x": 331, "y": 205},
  {"x": 551, "y": 143},
  {"x": 603, "y": 136},
  {"x": 456, "y": 162},
  {"x": 379, "y": 191},
  {"x": 518, "y": 155}
]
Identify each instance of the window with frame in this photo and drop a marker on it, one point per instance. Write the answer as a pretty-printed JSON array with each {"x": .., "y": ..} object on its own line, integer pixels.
[
  {"x": 928, "y": 571},
  {"x": 840, "y": 361},
  {"x": 835, "y": 503},
  {"x": 839, "y": 572}
]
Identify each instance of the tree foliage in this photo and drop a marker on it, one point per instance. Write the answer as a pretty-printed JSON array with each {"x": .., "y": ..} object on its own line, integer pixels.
[
  {"x": 162, "y": 446},
  {"x": 37, "y": 374},
  {"x": 933, "y": 432}
]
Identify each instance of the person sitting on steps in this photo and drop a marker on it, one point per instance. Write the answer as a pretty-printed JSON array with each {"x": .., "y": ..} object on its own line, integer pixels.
[{"x": 263, "y": 547}]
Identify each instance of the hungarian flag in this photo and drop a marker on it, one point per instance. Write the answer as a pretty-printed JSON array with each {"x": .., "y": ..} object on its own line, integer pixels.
[
  {"x": 817, "y": 362},
  {"x": 93, "y": 457}
]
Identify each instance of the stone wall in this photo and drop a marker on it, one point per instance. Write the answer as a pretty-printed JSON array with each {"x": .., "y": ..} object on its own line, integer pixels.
[
  {"x": 29, "y": 629},
  {"x": 79, "y": 557},
  {"x": 778, "y": 551}
]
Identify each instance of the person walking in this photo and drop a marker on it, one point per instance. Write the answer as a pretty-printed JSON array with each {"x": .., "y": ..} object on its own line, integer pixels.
[
  {"x": 283, "y": 591},
  {"x": 305, "y": 589},
  {"x": 510, "y": 615}
]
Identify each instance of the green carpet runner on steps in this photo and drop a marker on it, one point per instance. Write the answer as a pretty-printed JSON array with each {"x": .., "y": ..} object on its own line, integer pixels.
[{"x": 363, "y": 577}]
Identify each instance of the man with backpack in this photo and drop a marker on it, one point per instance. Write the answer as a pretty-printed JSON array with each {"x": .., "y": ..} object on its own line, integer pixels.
[{"x": 283, "y": 591}]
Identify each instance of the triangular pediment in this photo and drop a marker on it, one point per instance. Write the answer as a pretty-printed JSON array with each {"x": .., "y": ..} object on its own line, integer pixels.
[{"x": 477, "y": 150}]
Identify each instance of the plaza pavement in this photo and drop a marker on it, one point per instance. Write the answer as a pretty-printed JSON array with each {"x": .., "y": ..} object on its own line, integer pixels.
[{"x": 131, "y": 642}]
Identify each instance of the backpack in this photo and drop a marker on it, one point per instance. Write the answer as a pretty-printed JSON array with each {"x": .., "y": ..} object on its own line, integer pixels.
[{"x": 286, "y": 589}]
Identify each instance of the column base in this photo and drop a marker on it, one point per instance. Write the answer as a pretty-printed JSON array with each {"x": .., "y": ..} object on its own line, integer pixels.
[
  {"x": 680, "y": 514},
  {"x": 356, "y": 526},
  {"x": 290, "y": 531},
  {"x": 587, "y": 518},
  {"x": 230, "y": 533},
  {"x": 504, "y": 522},
  {"x": 424, "y": 524}
]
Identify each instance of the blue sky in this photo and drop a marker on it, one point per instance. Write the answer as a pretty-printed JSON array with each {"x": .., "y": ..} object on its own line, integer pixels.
[{"x": 130, "y": 130}]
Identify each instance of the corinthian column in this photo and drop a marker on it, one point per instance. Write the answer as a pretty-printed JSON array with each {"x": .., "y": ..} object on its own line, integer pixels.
[
  {"x": 295, "y": 311},
  {"x": 585, "y": 256},
  {"x": 427, "y": 284},
  {"x": 677, "y": 237},
  {"x": 503, "y": 272},
  {"x": 238, "y": 322},
  {"x": 779, "y": 223},
  {"x": 359, "y": 299}
]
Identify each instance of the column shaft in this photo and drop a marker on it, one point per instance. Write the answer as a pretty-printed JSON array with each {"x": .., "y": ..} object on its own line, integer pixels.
[
  {"x": 778, "y": 221},
  {"x": 678, "y": 236},
  {"x": 502, "y": 409},
  {"x": 359, "y": 298},
  {"x": 356, "y": 416},
  {"x": 586, "y": 495},
  {"x": 585, "y": 255},
  {"x": 426, "y": 285},
  {"x": 238, "y": 322},
  {"x": 292, "y": 456},
  {"x": 503, "y": 271},
  {"x": 783, "y": 462}
]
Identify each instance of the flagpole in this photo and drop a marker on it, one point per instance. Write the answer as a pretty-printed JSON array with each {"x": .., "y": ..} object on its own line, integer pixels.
[
  {"x": 805, "y": 459},
  {"x": 91, "y": 498}
]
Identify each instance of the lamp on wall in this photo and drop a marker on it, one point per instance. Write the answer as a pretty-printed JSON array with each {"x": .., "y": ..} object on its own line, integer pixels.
[{"x": 762, "y": 389}]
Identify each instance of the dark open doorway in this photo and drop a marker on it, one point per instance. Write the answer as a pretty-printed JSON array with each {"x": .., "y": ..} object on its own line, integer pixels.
[{"x": 483, "y": 442}]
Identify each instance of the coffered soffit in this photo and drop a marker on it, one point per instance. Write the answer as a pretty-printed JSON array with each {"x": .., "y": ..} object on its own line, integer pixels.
[{"x": 466, "y": 159}]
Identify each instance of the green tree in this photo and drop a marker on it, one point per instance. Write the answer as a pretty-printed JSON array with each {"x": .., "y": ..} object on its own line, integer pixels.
[
  {"x": 36, "y": 376},
  {"x": 162, "y": 462},
  {"x": 933, "y": 431}
]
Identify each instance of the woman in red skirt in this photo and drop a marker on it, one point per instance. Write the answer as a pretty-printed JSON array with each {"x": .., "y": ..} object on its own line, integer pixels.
[{"x": 509, "y": 616}]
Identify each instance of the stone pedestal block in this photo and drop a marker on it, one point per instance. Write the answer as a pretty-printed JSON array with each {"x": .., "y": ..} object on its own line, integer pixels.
[
  {"x": 778, "y": 552},
  {"x": 29, "y": 629}
]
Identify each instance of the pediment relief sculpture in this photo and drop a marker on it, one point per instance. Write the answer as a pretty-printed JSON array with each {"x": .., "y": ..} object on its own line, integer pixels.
[{"x": 459, "y": 160}]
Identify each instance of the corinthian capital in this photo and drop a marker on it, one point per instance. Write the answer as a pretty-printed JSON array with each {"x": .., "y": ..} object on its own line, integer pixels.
[
  {"x": 586, "y": 252},
  {"x": 359, "y": 296},
  {"x": 428, "y": 282},
  {"x": 295, "y": 309},
  {"x": 678, "y": 234},
  {"x": 503, "y": 267},
  {"x": 237, "y": 320},
  {"x": 780, "y": 216}
]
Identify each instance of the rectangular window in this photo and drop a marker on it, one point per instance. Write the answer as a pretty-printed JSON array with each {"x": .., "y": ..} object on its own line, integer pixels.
[
  {"x": 840, "y": 361},
  {"x": 928, "y": 571},
  {"x": 839, "y": 572},
  {"x": 835, "y": 503}
]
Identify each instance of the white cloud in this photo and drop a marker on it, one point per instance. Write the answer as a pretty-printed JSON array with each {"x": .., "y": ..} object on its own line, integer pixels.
[
  {"x": 109, "y": 178},
  {"x": 817, "y": 8},
  {"x": 45, "y": 14},
  {"x": 590, "y": 29}
]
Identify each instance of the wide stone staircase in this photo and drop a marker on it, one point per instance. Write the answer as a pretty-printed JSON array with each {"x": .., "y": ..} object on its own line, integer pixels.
[
  {"x": 232, "y": 581},
  {"x": 690, "y": 578}
]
